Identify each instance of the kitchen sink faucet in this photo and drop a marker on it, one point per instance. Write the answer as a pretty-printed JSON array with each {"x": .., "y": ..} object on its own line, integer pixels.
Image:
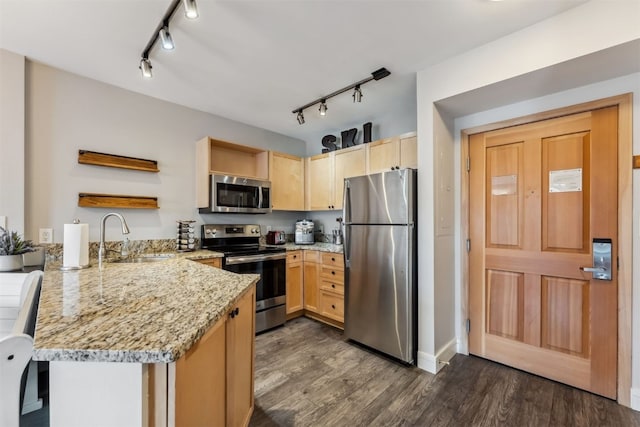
[{"x": 125, "y": 230}]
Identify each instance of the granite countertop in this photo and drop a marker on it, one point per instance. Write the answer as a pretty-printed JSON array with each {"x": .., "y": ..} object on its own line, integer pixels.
[
  {"x": 150, "y": 312},
  {"x": 317, "y": 246}
]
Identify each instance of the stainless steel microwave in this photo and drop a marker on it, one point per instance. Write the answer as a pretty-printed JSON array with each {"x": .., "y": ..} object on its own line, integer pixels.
[{"x": 232, "y": 194}]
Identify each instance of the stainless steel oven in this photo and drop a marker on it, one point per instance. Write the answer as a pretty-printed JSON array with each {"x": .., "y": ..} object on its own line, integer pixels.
[{"x": 244, "y": 255}]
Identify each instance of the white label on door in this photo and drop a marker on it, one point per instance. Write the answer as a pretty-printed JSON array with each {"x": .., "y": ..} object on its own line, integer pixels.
[
  {"x": 504, "y": 185},
  {"x": 566, "y": 180}
]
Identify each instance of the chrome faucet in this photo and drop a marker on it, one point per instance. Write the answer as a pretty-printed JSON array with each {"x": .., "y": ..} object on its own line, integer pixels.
[{"x": 125, "y": 230}]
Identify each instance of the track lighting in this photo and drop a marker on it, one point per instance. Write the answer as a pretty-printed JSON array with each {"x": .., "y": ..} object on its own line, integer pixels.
[
  {"x": 162, "y": 32},
  {"x": 323, "y": 108},
  {"x": 190, "y": 9},
  {"x": 145, "y": 68},
  {"x": 357, "y": 94},
  {"x": 166, "y": 39}
]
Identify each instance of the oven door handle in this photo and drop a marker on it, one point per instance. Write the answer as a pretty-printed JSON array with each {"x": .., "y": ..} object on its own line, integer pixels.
[{"x": 254, "y": 258}]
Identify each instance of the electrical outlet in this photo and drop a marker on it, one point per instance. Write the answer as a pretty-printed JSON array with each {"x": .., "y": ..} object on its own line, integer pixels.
[
  {"x": 46, "y": 235},
  {"x": 321, "y": 228},
  {"x": 268, "y": 228}
]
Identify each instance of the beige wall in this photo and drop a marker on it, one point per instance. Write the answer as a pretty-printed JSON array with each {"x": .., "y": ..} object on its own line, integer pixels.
[{"x": 12, "y": 167}]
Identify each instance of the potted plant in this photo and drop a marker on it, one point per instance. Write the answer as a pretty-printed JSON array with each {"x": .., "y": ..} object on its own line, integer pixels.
[{"x": 12, "y": 246}]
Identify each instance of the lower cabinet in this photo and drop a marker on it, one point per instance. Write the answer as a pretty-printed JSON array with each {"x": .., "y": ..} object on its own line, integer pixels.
[
  {"x": 212, "y": 384},
  {"x": 212, "y": 262},
  {"x": 295, "y": 280},
  {"x": 324, "y": 287}
]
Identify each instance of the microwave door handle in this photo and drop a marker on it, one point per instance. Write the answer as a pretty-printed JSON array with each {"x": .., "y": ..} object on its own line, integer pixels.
[{"x": 260, "y": 197}]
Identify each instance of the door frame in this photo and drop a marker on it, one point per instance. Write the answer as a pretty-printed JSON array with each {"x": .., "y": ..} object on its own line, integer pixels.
[{"x": 625, "y": 218}]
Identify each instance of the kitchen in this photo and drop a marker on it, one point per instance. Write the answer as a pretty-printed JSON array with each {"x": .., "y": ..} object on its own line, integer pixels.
[{"x": 60, "y": 118}]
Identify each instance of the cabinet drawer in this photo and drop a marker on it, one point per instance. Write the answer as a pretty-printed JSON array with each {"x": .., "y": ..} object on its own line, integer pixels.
[
  {"x": 332, "y": 259},
  {"x": 332, "y": 286},
  {"x": 212, "y": 262},
  {"x": 332, "y": 306},
  {"x": 294, "y": 256},
  {"x": 312, "y": 256},
  {"x": 332, "y": 273}
]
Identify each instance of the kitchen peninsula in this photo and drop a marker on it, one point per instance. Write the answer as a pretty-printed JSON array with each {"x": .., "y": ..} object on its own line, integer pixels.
[{"x": 153, "y": 343}]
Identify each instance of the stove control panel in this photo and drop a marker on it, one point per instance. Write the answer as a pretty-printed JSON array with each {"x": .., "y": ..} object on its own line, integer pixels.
[{"x": 219, "y": 231}]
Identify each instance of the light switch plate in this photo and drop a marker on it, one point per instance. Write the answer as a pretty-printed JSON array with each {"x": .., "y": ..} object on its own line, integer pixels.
[{"x": 46, "y": 235}]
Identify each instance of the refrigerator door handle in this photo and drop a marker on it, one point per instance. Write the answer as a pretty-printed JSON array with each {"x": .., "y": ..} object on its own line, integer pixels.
[
  {"x": 347, "y": 247},
  {"x": 346, "y": 202}
]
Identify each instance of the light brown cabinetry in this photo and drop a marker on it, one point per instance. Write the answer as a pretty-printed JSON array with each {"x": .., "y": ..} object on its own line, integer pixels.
[
  {"x": 212, "y": 384},
  {"x": 326, "y": 174},
  {"x": 392, "y": 153},
  {"x": 286, "y": 173},
  {"x": 226, "y": 158},
  {"x": 332, "y": 287},
  {"x": 295, "y": 280},
  {"x": 211, "y": 262},
  {"x": 311, "y": 280}
]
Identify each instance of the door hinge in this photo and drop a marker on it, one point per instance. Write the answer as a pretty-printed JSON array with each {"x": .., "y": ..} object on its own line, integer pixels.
[
  {"x": 468, "y": 164},
  {"x": 468, "y": 245},
  {"x": 468, "y": 326}
]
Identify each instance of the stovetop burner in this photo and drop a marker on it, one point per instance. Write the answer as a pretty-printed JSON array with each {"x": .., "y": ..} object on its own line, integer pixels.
[{"x": 235, "y": 239}]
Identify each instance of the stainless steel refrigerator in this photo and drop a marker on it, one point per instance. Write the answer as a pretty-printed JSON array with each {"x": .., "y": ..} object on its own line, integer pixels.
[{"x": 379, "y": 214}]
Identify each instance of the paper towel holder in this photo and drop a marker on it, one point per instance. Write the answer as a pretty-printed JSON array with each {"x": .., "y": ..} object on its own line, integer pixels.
[{"x": 73, "y": 267}]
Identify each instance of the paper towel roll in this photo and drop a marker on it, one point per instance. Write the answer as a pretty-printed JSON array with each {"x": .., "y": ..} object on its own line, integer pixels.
[{"x": 76, "y": 245}]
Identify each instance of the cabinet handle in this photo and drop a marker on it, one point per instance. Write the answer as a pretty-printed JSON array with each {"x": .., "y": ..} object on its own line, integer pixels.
[
  {"x": 333, "y": 286},
  {"x": 333, "y": 259},
  {"x": 232, "y": 314},
  {"x": 333, "y": 272},
  {"x": 295, "y": 256},
  {"x": 333, "y": 306},
  {"x": 237, "y": 310}
]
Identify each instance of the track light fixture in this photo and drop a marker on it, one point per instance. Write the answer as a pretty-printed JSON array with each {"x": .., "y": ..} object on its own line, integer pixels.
[
  {"x": 190, "y": 9},
  {"x": 145, "y": 68},
  {"x": 323, "y": 108},
  {"x": 357, "y": 94},
  {"x": 166, "y": 39},
  {"x": 162, "y": 32}
]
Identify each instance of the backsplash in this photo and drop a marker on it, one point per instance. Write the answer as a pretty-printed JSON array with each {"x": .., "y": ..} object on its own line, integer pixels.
[{"x": 136, "y": 247}]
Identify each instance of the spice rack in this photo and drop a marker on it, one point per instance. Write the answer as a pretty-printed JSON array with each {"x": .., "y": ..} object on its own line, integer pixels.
[{"x": 185, "y": 236}]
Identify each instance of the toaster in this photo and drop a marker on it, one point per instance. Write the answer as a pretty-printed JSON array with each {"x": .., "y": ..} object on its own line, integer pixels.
[
  {"x": 276, "y": 238},
  {"x": 304, "y": 232}
]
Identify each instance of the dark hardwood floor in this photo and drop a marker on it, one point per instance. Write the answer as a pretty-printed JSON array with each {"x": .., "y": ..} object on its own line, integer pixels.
[{"x": 307, "y": 375}]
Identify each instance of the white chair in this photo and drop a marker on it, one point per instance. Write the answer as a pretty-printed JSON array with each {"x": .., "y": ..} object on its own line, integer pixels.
[{"x": 16, "y": 350}]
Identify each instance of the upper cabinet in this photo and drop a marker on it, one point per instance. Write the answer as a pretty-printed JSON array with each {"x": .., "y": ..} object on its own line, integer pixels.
[
  {"x": 286, "y": 173},
  {"x": 214, "y": 156},
  {"x": 326, "y": 174},
  {"x": 392, "y": 153}
]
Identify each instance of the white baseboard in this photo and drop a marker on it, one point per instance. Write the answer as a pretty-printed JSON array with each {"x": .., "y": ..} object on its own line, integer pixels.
[
  {"x": 433, "y": 364},
  {"x": 635, "y": 399}
]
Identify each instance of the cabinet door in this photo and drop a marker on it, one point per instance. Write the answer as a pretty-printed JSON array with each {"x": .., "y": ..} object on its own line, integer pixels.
[
  {"x": 347, "y": 163},
  {"x": 320, "y": 183},
  {"x": 240, "y": 361},
  {"x": 286, "y": 173},
  {"x": 200, "y": 381},
  {"x": 311, "y": 284},
  {"x": 332, "y": 305},
  {"x": 212, "y": 262},
  {"x": 295, "y": 274},
  {"x": 409, "y": 152},
  {"x": 383, "y": 154}
]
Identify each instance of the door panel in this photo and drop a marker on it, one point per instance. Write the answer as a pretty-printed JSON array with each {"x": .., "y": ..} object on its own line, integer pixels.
[{"x": 539, "y": 194}]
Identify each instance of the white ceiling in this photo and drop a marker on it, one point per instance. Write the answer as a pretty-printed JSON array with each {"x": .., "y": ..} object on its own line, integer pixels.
[{"x": 256, "y": 61}]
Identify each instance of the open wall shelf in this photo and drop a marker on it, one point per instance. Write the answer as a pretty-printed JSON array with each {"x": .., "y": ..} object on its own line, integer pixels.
[
  {"x": 114, "y": 161},
  {"x": 96, "y": 200}
]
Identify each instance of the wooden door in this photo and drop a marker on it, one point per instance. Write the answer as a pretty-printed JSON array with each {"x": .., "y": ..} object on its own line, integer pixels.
[
  {"x": 320, "y": 182},
  {"x": 384, "y": 154},
  {"x": 240, "y": 355},
  {"x": 539, "y": 194},
  {"x": 295, "y": 274},
  {"x": 286, "y": 173},
  {"x": 348, "y": 162}
]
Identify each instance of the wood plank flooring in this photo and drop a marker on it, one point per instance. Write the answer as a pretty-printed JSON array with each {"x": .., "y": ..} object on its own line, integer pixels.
[{"x": 307, "y": 375}]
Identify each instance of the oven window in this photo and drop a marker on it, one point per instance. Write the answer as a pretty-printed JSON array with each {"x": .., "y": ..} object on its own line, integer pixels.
[
  {"x": 237, "y": 196},
  {"x": 272, "y": 281}
]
